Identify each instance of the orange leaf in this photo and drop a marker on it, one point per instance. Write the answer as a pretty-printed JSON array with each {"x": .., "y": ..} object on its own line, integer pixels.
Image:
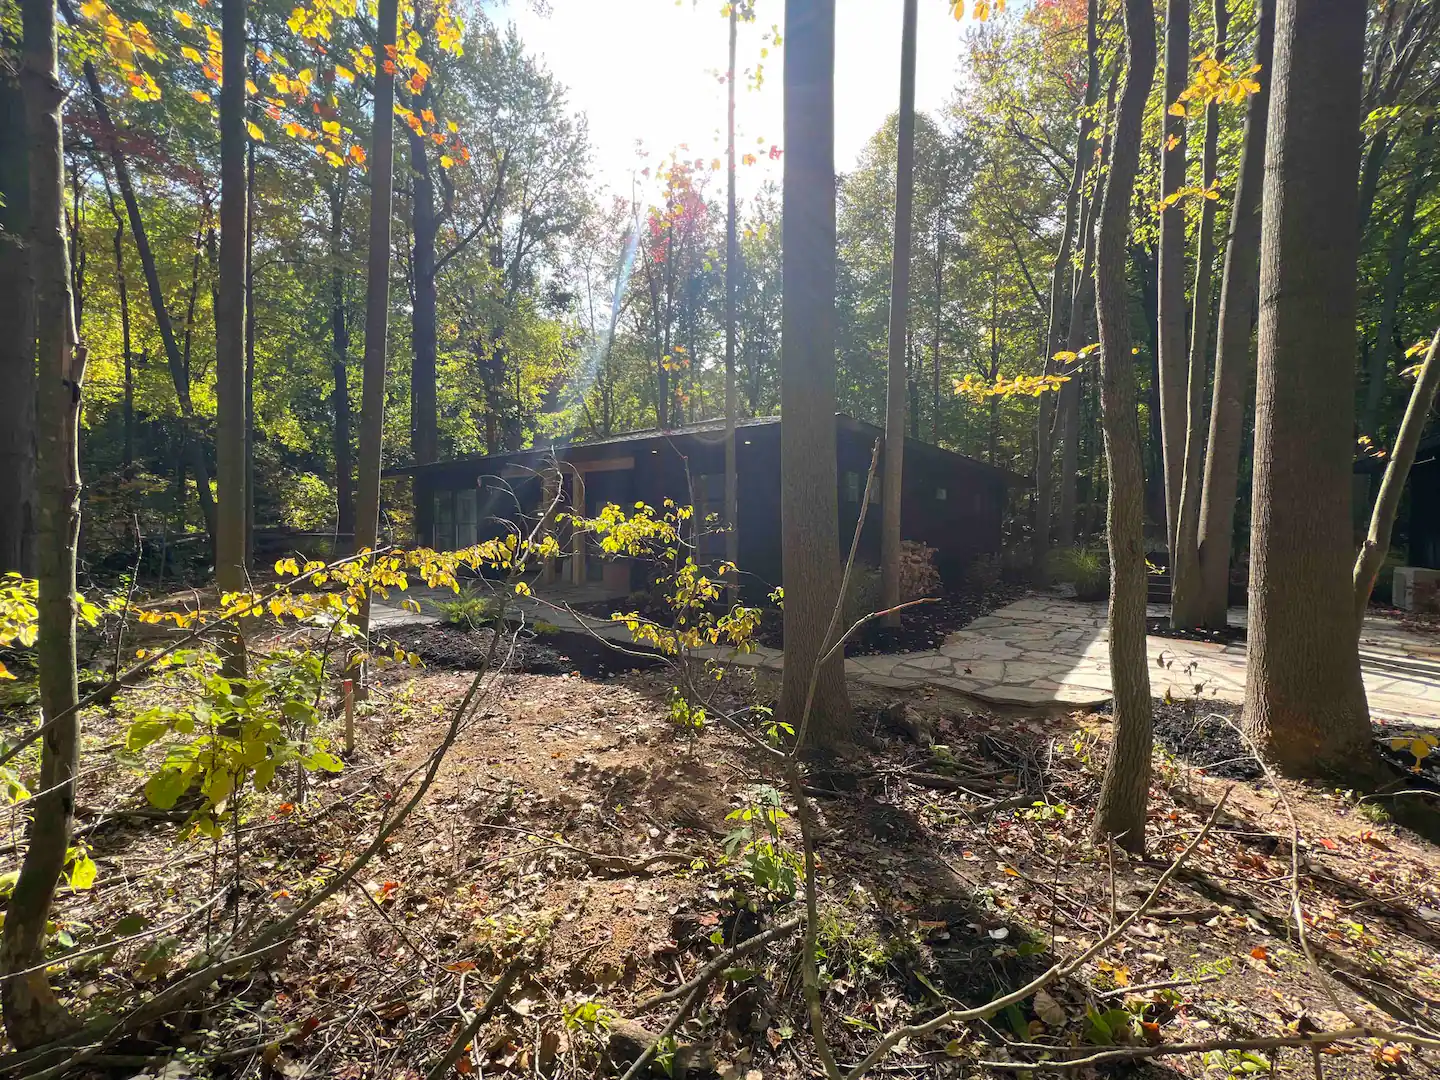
[{"x": 1259, "y": 953}]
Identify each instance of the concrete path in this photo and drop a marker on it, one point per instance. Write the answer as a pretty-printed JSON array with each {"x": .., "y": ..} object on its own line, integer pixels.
[{"x": 1045, "y": 651}]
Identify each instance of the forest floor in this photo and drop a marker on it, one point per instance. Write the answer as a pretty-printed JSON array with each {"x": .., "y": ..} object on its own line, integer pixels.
[{"x": 572, "y": 821}]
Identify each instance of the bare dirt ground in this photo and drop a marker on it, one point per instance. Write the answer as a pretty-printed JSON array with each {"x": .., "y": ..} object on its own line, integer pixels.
[{"x": 572, "y": 824}]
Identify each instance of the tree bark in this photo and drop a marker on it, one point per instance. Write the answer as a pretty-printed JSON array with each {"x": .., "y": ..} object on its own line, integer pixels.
[
  {"x": 732, "y": 272},
  {"x": 179, "y": 371},
  {"x": 340, "y": 371},
  {"x": 809, "y": 509},
  {"x": 896, "y": 388},
  {"x": 939, "y": 314},
  {"x": 377, "y": 295},
  {"x": 1120, "y": 814},
  {"x": 1305, "y": 703},
  {"x": 1171, "y": 330},
  {"x": 1061, "y": 291},
  {"x": 1387, "y": 505},
  {"x": 250, "y": 351},
  {"x": 31, "y": 1012},
  {"x": 1186, "y": 592},
  {"x": 17, "y": 343},
  {"x": 1378, "y": 366},
  {"x": 424, "y": 407},
  {"x": 1239, "y": 288},
  {"x": 230, "y": 570}
]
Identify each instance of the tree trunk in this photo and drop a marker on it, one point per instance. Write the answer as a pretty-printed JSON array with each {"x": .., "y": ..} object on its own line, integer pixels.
[
  {"x": 1120, "y": 814},
  {"x": 1304, "y": 700},
  {"x": 1239, "y": 288},
  {"x": 230, "y": 568},
  {"x": 1061, "y": 292},
  {"x": 17, "y": 342},
  {"x": 1378, "y": 367},
  {"x": 250, "y": 352},
  {"x": 809, "y": 511},
  {"x": 424, "y": 407},
  {"x": 31, "y": 1012},
  {"x": 1387, "y": 505},
  {"x": 1187, "y": 595},
  {"x": 1171, "y": 293},
  {"x": 179, "y": 373},
  {"x": 732, "y": 270},
  {"x": 122, "y": 287},
  {"x": 377, "y": 296},
  {"x": 896, "y": 388},
  {"x": 939, "y": 308},
  {"x": 340, "y": 370}
]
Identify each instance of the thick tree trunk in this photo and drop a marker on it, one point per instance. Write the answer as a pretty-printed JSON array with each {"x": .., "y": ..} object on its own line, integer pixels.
[
  {"x": 377, "y": 298},
  {"x": 1387, "y": 505},
  {"x": 896, "y": 388},
  {"x": 1171, "y": 331},
  {"x": 179, "y": 370},
  {"x": 1239, "y": 288},
  {"x": 1061, "y": 291},
  {"x": 809, "y": 510},
  {"x": 732, "y": 275},
  {"x": 17, "y": 341},
  {"x": 1304, "y": 700},
  {"x": 31, "y": 1012},
  {"x": 340, "y": 371},
  {"x": 230, "y": 567},
  {"x": 1378, "y": 366},
  {"x": 424, "y": 406},
  {"x": 1120, "y": 814},
  {"x": 1187, "y": 595}
]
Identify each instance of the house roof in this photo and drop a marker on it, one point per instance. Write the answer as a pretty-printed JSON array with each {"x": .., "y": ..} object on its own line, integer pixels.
[{"x": 699, "y": 431}]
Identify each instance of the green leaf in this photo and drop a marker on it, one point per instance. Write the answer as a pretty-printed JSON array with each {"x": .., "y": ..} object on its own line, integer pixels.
[
  {"x": 83, "y": 873},
  {"x": 145, "y": 731},
  {"x": 325, "y": 761},
  {"x": 164, "y": 789},
  {"x": 264, "y": 773}
]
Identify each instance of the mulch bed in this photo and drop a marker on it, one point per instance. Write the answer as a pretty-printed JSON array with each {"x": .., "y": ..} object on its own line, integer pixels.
[
  {"x": 922, "y": 627},
  {"x": 1160, "y": 627},
  {"x": 556, "y": 653}
]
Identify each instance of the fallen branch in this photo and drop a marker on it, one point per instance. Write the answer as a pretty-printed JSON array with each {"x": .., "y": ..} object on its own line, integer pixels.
[
  {"x": 1140, "y": 1053},
  {"x": 457, "y": 1047},
  {"x": 721, "y": 962}
]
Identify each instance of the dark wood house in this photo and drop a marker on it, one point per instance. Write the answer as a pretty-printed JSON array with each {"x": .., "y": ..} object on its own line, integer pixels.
[{"x": 951, "y": 502}]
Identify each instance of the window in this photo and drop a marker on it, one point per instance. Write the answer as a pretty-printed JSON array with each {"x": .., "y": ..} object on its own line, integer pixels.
[
  {"x": 852, "y": 487},
  {"x": 444, "y": 520},
  {"x": 465, "y": 503},
  {"x": 939, "y": 494},
  {"x": 710, "y": 500}
]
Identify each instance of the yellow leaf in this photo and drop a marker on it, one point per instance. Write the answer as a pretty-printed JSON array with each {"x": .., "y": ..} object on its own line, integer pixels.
[
  {"x": 4, "y": 671},
  {"x": 191, "y": 54},
  {"x": 93, "y": 10},
  {"x": 200, "y": 96},
  {"x": 1176, "y": 109},
  {"x": 344, "y": 73},
  {"x": 454, "y": 127},
  {"x": 255, "y": 132},
  {"x": 446, "y": 161}
]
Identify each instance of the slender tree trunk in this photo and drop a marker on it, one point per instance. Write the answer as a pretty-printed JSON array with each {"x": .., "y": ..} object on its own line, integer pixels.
[
  {"x": 1378, "y": 367},
  {"x": 1187, "y": 595},
  {"x": 179, "y": 373},
  {"x": 1061, "y": 292},
  {"x": 732, "y": 272},
  {"x": 895, "y": 387},
  {"x": 1173, "y": 365},
  {"x": 31, "y": 1012},
  {"x": 250, "y": 352},
  {"x": 1304, "y": 700},
  {"x": 1387, "y": 505},
  {"x": 424, "y": 406},
  {"x": 340, "y": 371},
  {"x": 230, "y": 325},
  {"x": 377, "y": 296},
  {"x": 809, "y": 509},
  {"x": 1239, "y": 288},
  {"x": 940, "y": 233},
  {"x": 122, "y": 287},
  {"x": 1120, "y": 814},
  {"x": 17, "y": 342}
]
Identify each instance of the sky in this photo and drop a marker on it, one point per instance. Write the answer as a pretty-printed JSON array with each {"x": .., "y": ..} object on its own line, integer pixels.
[{"x": 650, "y": 70}]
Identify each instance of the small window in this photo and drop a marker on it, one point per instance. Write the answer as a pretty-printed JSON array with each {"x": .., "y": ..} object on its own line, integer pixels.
[
  {"x": 939, "y": 494},
  {"x": 852, "y": 487}
]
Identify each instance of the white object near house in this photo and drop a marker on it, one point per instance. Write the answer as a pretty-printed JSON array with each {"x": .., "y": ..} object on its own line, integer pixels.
[{"x": 1416, "y": 588}]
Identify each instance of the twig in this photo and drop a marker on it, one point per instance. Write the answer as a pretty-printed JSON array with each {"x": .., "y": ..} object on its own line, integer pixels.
[
  {"x": 1058, "y": 971},
  {"x": 721, "y": 962},
  {"x": 1123, "y": 991},
  {"x": 442, "y": 1067}
]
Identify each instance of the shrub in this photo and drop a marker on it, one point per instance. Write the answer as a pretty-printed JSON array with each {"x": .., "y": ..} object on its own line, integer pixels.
[
  {"x": 919, "y": 575},
  {"x": 1086, "y": 568},
  {"x": 472, "y": 608},
  {"x": 307, "y": 503},
  {"x": 983, "y": 574}
]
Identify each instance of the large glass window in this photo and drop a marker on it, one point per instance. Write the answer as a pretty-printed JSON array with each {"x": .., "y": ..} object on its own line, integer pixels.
[
  {"x": 465, "y": 503},
  {"x": 444, "y": 521}
]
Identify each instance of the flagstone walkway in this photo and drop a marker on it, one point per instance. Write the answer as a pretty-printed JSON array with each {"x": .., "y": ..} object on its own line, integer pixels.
[{"x": 1044, "y": 651}]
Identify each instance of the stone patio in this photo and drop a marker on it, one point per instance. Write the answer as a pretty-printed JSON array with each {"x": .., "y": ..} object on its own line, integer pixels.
[{"x": 1045, "y": 651}]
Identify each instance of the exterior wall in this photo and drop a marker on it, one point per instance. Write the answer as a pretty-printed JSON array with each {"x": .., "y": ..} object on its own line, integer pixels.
[{"x": 962, "y": 524}]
